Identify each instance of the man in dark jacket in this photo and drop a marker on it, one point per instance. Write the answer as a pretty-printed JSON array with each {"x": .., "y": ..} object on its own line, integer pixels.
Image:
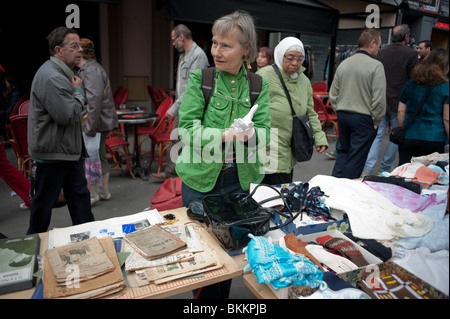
[
  {"x": 398, "y": 61},
  {"x": 54, "y": 134}
]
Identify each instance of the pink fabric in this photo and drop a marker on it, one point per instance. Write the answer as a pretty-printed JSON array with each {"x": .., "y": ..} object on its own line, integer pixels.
[
  {"x": 418, "y": 173},
  {"x": 13, "y": 177},
  {"x": 403, "y": 197}
]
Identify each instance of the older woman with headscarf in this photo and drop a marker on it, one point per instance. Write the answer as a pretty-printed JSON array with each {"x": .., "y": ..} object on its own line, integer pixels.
[{"x": 289, "y": 55}]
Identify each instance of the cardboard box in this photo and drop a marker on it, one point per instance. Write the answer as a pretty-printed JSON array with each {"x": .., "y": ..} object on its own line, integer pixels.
[{"x": 283, "y": 293}]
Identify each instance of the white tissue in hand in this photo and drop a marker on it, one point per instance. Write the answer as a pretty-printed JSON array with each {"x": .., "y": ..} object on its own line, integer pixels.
[{"x": 241, "y": 125}]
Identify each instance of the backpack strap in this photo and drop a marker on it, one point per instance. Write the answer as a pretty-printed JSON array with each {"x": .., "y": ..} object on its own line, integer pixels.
[
  {"x": 255, "y": 84},
  {"x": 208, "y": 74}
]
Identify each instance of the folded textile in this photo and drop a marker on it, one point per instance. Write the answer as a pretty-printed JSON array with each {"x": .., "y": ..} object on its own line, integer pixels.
[
  {"x": 400, "y": 181},
  {"x": 343, "y": 247},
  {"x": 374, "y": 247},
  {"x": 271, "y": 264},
  {"x": 418, "y": 173},
  {"x": 371, "y": 215},
  {"x": 298, "y": 246},
  {"x": 403, "y": 197}
]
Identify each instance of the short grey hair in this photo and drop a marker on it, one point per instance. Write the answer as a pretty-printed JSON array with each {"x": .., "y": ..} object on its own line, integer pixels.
[
  {"x": 184, "y": 30},
  {"x": 244, "y": 21}
]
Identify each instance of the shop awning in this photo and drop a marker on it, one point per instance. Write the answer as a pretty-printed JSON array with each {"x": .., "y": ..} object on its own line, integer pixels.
[{"x": 298, "y": 16}]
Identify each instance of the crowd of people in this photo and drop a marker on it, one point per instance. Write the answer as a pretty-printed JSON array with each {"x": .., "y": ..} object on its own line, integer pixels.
[{"x": 371, "y": 90}]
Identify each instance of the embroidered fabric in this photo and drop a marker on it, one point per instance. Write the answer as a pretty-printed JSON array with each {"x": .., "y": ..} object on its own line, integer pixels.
[{"x": 272, "y": 264}]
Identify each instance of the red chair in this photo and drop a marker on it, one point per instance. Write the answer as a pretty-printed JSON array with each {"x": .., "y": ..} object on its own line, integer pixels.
[
  {"x": 118, "y": 147},
  {"x": 145, "y": 131},
  {"x": 320, "y": 87},
  {"x": 23, "y": 108},
  {"x": 155, "y": 96},
  {"x": 18, "y": 128},
  {"x": 163, "y": 94},
  {"x": 161, "y": 138},
  {"x": 122, "y": 98},
  {"x": 117, "y": 95},
  {"x": 325, "y": 117},
  {"x": 15, "y": 109}
]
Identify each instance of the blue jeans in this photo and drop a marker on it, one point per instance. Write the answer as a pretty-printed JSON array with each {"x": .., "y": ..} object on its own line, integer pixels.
[{"x": 387, "y": 162}]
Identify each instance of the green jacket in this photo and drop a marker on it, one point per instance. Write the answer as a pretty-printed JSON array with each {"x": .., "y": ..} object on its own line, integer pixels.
[
  {"x": 281, "y": 157},
  {"x": 203, "y": 154}
]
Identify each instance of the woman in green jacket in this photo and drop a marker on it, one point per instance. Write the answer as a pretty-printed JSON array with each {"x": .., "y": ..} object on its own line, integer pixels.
[
  {"x": 215, "y": 159},
  {"x": 221, "y": 151},
  {"x": 289, "y": 56}
]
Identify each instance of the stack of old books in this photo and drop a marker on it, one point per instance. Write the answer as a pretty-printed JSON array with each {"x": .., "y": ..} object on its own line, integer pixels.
[
  {"x": 86, "y": 269},
  {"x": 164, "y": 253}
]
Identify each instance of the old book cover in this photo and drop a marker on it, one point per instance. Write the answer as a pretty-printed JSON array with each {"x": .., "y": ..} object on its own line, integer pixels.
[
  {"x": 154, "y": 242},
  {"x": 18, "y": 262},
  {"x": 108, "y": 282},
  {"x": 87, "y": 258}
]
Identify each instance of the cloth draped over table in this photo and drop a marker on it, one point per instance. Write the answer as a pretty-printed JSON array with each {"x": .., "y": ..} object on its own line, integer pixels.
[{"x": 371, "y": 215}]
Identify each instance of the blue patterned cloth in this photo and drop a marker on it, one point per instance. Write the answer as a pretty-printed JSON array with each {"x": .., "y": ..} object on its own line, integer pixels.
[{"x": 272, "y": 264}]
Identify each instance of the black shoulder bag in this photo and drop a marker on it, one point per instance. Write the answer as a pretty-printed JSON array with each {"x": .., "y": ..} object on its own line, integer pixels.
[
  {"x": 302, "y": 143},
  {"x": 397, "y": 134}
]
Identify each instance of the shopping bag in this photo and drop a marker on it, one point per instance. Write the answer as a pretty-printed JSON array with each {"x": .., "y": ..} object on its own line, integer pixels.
[
  {"x": 92, "y": 164},
  {"x": 168, "y": 195}
]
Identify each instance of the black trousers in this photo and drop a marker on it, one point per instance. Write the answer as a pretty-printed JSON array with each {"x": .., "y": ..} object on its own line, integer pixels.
[
  {"x": 49, "y": 180},
  {"x": 356, "y": 134},
  {"x": 410, "y": 148}
]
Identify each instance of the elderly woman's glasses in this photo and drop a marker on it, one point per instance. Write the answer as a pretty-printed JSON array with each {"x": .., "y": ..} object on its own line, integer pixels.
[{"x": 291, "y": 58}]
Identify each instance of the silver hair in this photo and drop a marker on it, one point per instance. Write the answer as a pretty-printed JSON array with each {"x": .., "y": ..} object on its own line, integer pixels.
[{"x": 247, "y": 38}]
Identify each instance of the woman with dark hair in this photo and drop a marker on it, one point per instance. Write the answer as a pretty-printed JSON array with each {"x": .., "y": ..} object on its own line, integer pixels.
[
  {"x": 430, "y": 129},
  {"x": 265, "y": 57}
]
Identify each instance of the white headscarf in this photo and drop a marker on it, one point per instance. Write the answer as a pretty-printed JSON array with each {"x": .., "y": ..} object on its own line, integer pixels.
[{"x": 286, "y": 45}]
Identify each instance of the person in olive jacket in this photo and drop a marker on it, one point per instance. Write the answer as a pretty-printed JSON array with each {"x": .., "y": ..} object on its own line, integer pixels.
[{"x": 289, "y": 56}]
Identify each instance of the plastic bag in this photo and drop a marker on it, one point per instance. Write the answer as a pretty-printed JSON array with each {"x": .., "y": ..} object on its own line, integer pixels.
[{"x": 93, "y": 167}]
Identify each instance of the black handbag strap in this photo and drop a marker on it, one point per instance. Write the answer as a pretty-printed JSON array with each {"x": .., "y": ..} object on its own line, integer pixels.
[
  {"x": 419, "y": 107},
  {"x": 277, "y": 71}
]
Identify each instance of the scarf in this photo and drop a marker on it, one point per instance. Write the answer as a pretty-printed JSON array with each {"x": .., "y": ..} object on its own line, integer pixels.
[
  {"x": 286, "y": 45},
  {"x": 67, "y": 71}
]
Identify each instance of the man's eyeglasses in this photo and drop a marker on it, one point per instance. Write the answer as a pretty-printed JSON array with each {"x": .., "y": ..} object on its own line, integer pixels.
[
  {"x": 173, "y": 40},
  {"x": 291, "y": 58},
  {"x": 74, "y": 45}
]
